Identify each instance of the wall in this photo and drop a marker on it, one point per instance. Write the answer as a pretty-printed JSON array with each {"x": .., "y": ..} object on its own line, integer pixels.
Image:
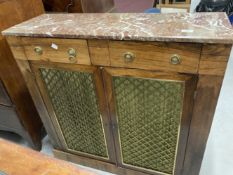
[{"x": 194, "y": 3}]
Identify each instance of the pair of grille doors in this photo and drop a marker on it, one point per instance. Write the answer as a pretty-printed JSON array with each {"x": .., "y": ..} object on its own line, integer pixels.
[{"x": 134, "y": 117}]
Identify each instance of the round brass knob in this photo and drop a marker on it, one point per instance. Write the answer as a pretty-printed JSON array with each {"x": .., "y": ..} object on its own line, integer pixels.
[
  {"x": 175, "y": 59},
  {"x": 129, "y": 57},
  {"x": 38, "y": 50},
  {"x": 72, "y": 55}
]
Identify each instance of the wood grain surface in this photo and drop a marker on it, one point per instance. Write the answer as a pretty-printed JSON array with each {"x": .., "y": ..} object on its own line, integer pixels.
[
  {"x": 207, "y": 93},
  {"x": 105, "y": 166},
  {"x": 18, "y": 160},
  {"x": 214, "y": 58},
  {"x": 29, "y": 78},
  {"x": 155, "y": 55},
  {"x": 56, "y": 50},
  {"x": 99, "y": 52},
  {"x": 13, "y": 12}
]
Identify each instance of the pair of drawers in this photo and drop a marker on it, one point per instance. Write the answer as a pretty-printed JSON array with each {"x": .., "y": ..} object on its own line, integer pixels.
[{"x": 178, "y": 57}]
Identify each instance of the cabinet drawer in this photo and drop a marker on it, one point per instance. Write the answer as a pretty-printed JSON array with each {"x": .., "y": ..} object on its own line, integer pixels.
[
  {"x": 176, "y": 57},
  {"x": 57, "y": 50}
]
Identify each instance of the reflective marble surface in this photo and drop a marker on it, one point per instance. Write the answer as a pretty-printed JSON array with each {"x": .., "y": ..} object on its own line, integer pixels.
[{"x": 180, "y": 27}]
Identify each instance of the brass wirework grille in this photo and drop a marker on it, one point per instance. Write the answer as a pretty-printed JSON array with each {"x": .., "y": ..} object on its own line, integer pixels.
[
  {"x": 148, "y": 115},
  {"x": 73, "y": 97}
]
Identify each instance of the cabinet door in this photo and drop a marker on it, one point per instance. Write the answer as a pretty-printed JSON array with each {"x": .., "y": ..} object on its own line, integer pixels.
[
  {"x": 151, "y": 113},
  {"x": 74, "y": 97}
]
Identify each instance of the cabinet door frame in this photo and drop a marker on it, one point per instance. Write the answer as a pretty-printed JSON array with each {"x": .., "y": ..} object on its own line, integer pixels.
[
  {"x": 190, "y": 82},
  {"x": 100, "y": 95}
]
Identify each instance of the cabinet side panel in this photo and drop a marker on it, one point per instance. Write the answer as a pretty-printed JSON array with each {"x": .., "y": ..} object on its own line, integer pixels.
[
  {"x": 214, "y": 58},
  {"x": 208, "y": 89}
]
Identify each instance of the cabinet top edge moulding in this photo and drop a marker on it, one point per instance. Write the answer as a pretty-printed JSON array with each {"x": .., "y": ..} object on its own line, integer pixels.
[{"x": 179, "y": 27}]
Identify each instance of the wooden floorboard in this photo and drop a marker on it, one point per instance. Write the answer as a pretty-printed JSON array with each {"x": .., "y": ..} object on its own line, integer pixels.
[{"x": 17, "y": 160}]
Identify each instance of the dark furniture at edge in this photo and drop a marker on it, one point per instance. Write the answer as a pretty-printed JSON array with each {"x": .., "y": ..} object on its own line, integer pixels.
[{"x": 17, "y": 111}]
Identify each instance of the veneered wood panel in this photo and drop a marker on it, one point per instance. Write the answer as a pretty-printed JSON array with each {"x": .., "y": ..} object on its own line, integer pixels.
[
  {"x": 214, "y": 58},
  {"x": 95, "y": 163},
  {"x": 56, "y": 50},
  {"x": 156, "y": 55},
  {"x": 16, "y": 47},
  {"x": 99, "y": 52},
  {"x": 13, "y": 12},
  {"x": 18, "y": 92},
  {"x": 146, "y": 74},
  {"x": 207, "y": 93},
  {"x": 208, "y": 67},
  {"x": 217, "y": 49},
  {"x": 38, "y": 101},
  {"x": 29, "y": 79}
]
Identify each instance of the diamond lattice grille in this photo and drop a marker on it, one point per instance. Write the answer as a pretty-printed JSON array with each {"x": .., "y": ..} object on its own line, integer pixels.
[
  {"x": 148, "y": 114},
  {"x": 73, "y": 97}
]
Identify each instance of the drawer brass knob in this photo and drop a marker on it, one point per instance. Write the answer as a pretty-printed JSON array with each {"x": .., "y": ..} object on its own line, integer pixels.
[
  {"x": 38, "y": 50},
  {"x": 72, "y": 55},
  {"x": 129, "y": 57},
  {"x": 175, "y": 59}
]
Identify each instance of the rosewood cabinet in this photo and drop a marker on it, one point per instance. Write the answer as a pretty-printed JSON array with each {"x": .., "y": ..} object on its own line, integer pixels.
[{"x": 128, "y": 107}]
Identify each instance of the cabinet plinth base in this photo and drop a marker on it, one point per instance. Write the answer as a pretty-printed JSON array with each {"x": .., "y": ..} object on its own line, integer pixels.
[{"x": 104, "y": 166}]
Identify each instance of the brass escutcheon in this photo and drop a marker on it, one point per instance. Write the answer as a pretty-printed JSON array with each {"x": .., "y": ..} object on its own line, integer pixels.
[
  {"x": 129, "y": 57},
  {"x": 175, "y": 59},
  {"x": 38, "y": 50},
  {"x": 72, "y": 55}
]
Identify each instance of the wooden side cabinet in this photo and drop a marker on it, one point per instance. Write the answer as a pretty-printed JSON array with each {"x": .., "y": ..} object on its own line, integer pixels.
[
  {"x": 127, "y": 107},
  {"x": 138, "y": 119},
  {"x": 17, "y": 111}
]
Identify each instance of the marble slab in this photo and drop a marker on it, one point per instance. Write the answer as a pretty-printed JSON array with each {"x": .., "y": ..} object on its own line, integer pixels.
[{"x": 179, "y": 27}]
